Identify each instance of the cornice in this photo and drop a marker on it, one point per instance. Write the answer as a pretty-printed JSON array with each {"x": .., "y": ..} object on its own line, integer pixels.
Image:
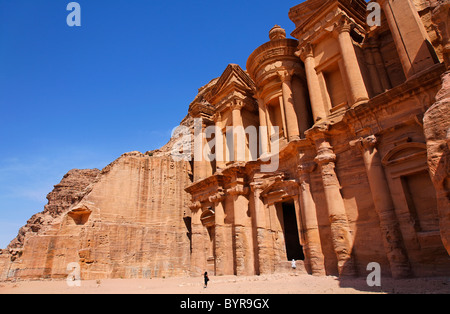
[
  {"x": 327, "y": 18},
  {"x": 224, "y": 86},
  {"x": 359, "y": 117}
]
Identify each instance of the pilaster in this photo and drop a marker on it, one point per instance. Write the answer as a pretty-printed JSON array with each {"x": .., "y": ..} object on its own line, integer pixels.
[
  {"x": 313, "y": 246},
  {"x": 340, "y": 229},
  {"x": 289, "y": 106},
  {"x": 384, "y": 206},
  {"x": 358, "y": 91}
]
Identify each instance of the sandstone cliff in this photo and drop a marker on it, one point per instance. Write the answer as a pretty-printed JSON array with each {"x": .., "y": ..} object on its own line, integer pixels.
[
  {"x": 72, "y": 188},
  {"x": 123, "y": 222},
  {"x": 437, "y": 131},
  {"x": 126, "y": 221}
]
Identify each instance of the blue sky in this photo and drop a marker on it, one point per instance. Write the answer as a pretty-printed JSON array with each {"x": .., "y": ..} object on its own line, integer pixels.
[{"x": 80, "y": 97}]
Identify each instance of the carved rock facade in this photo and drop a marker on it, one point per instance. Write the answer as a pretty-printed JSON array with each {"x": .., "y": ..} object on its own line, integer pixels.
[
  {"x": 357, "y": 118},
  {"x": 353, "y": 184}
]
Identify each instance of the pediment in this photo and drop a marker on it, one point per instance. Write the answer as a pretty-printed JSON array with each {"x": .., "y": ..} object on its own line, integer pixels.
[
  {"x": 404, "y": 152},
  {"x": 303, "y": 11},
  {"x": 233, "y": 80}
]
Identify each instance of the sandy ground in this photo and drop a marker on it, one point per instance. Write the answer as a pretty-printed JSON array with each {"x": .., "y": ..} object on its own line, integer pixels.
[{"x": 273, "y": 284}]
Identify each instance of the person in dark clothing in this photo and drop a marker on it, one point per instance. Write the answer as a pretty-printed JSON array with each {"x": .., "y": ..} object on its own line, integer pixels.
[{"x": 206, "y": 279}]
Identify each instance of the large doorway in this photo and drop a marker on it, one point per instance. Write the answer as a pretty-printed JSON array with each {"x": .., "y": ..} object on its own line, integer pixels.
[{"x": 294, "y": 250}]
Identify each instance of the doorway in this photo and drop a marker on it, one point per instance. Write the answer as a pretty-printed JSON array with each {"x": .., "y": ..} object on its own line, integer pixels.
[{"x": 294, "y": 250}]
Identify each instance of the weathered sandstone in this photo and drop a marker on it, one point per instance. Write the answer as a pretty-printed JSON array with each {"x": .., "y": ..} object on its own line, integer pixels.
[
  {"x": 362, "y": 140},
  {"x": 128, "y": 224}
]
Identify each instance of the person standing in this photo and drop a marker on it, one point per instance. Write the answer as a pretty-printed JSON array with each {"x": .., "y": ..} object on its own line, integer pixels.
[{"x": 206, "y": 280}]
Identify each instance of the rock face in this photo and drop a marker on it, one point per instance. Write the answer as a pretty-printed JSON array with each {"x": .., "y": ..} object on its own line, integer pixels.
[
  {"x": 437, "y": 131},
  {"x": 125, "y": 222},
  {"x": 73, "y": 187},
  {"x": 437, "y": 127}
]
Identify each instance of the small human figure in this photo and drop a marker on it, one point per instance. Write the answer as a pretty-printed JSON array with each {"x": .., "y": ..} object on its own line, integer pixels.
[
  {"x": 206, "y": 280},
  {"x": 294, "y": 264}
]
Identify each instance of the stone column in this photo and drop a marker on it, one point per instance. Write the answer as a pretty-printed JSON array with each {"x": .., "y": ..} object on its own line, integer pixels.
[
  {"x": 202, "y": 167},
  {"x": 384, "y": 206},
  {"x": 264, "y": 131},
  {"x": 376, "y": 87},
  {"x": 283, "y": 117},
  {"x": 289, "y": 106},
  {"x": 223, "y": 237},
  {"x": 236, "y": 108},
  {"x": 315, "y": 94},
  {"x": 220, "y": 143},
  {"x": 198, "y": 259},
  {"x": 242, "y": 231},
  {"x": 299, "y": 87},
  {"x": 340, "y": 229},
  {"x": 262, "y": 238},
  {"x": 409, "y": 34},
  {"x": 379, "y": 64},
  {"x": 358, "y": 91},
  {"x": 313, "y": 247},
  {"x": 238, "y": 124}
]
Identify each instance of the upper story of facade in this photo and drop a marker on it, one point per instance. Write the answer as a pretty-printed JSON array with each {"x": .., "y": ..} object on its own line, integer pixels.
[{"x": 335, "y": 63}]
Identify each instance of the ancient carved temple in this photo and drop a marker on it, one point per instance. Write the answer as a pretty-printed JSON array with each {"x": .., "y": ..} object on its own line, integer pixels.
[
  {"x": 358, "y": 116},
  {"x": 353, "y": 185}
]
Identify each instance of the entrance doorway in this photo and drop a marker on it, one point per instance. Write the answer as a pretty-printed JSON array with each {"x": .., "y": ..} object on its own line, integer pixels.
[{"x": 294, "y": 250}]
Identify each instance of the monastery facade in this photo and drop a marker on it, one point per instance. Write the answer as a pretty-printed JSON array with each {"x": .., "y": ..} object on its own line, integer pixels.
[
  {"x": 355, "y": 119},
  {"x": 353, "y": 184}
]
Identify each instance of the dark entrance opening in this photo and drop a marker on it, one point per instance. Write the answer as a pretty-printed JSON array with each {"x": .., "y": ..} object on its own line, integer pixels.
[{"x": 291, "y": 235}]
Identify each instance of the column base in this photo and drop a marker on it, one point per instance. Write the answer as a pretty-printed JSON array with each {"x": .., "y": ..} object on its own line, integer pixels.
[{"x": 361, "y": 101}]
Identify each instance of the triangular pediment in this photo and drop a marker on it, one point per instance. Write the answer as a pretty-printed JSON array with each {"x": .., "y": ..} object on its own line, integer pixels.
[
  {"x": 309, "y": 15},
  {"x": 233, "y": 79},
  {"x": 303, "y": 11}
]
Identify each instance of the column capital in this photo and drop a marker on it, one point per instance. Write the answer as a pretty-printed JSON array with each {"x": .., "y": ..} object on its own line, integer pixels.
[
  {"x": 218, "y": 197},
  {"x": 365, "y": 143},
  {"x": 285, "y": 75},
  {"x": 257, "y": 186},
  {"x": 201, "y": 123},
  {"x": 304, "y": 172},
  {"x": 325, "y": 153},
  {"x": 306, "y": 51},
  {"x": 259, "y": 98},
  {"x": 217, "y": 117},
  {"x": 325, "y": 157},
  {"x": 237, "y": 104},
  {"x": 238, "y": 190},
  {"x": 194, "y": 206},
  {"x": 344, "y": 25}
]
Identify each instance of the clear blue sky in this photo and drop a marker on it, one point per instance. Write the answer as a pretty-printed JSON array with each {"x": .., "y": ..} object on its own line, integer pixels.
[{"x": 80, "y": 97}]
